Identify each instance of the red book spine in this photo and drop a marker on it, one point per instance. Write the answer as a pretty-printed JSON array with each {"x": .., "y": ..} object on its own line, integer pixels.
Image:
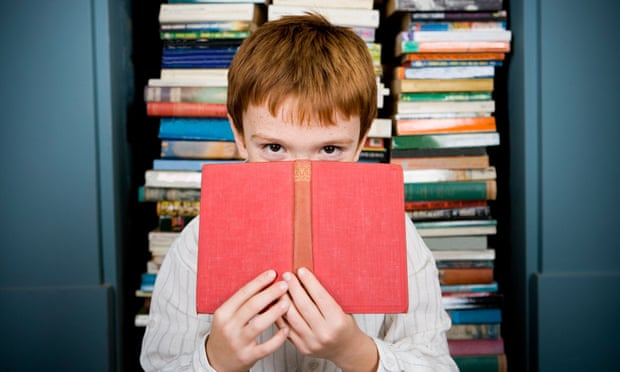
[
  {"x": 189, "y": 109},
  {"x": 445, "y": 125},
  {"x": 443, "y": 204},
  {"x": 483, "y": 346},
  {"x": 465, "y": 276},
  {"x": 302, "y": 219}
]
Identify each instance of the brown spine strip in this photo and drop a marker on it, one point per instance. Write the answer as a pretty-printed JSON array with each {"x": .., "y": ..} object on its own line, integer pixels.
[{"x": 302, "y": 249}]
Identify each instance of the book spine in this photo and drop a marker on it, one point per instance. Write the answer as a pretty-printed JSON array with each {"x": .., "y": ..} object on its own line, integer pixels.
[
  {"x": 208, "y": 26},
  {"x": 445, "y": 125},
  {"x": 353, "y": 4},
  {"x": 454, "y": 26},
  {"x": 185, "y": 94},
  {"x": 338, "y": 16},
  {"x": 448, "y": 6},
  {"x": 171, "y": 178},
  {"x": 443, "y": 204},
  {"x": 476, "y": 316},
  {"x": 447, "y": 108},
  {"x": 147, "y": 193},
  {"x": 404, "y": 45},
  {"x": 470, "y": 190},
  {"x": 437, "y": 56},
  {"x": 445, "y": 140},
  {"x": 302, "y": 216},
  {"x": 474, "y": 331},
  {"x": 492, "y": 346},
  {"x": 207, "y": 130},
  {"x": 189, "y": 13},
  {"x": 449, "y": 72},
  {"x": 445, "y": 96},
  {"x": 449, "y": 214},
  {"x": 194, "y": 35},
  {"x": 491, "y": 15},
  {"x": 178, "y": 208},
  {"x": 173, "y": 223},
  {"x": 198, "y": 149},
  {"x": 464, "y": 288},
  {"x": 465, "y": 276},
  {"x": 443, "y": 85},
  {"x": 442, "y": 175},
  {"x": 455, "y": 35},
  {"x": 190, "y": 109},
  {"x": 441, "y": 162},
  {"x": 482, "y": 363}
]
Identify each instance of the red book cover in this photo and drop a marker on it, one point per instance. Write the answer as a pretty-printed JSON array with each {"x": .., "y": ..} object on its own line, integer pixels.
[{"x": 342, "y": 220}]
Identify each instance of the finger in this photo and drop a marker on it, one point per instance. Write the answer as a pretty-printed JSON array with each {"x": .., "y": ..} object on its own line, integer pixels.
[
  {"x": 270, "y": 346},
  {"x": 231, "y": 305},
  {"x": 262, "y": 301},
  {"x": 261, "y": 322},
  {"x": 307, "y": 308},
  {"x": 323, "y": 300},
  {"x": 300, "y": 333}
]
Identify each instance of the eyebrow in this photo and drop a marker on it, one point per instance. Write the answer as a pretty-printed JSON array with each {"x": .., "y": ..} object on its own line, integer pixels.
[{"x": 336, "y": 141}]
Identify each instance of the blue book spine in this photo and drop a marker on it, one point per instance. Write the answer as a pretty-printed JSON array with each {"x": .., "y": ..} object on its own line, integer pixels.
[
  {"x": 186, "y": 164},
  {"x": 476, "y": 316},
  {"x": 205, "y": 129}
]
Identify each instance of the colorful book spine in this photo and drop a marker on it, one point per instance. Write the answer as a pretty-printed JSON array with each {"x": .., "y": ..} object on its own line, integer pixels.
[
  {"x": 185, "y": 94},
  {"x": 465, "y": 190},
  {"x": 205, "y": 129},
  {"x": 191, "y": 109}
]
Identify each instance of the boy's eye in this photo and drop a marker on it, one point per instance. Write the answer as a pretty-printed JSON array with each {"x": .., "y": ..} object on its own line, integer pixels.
[
  {"x": 330, "y": 149},
  {"x": 274, "y": 147}
]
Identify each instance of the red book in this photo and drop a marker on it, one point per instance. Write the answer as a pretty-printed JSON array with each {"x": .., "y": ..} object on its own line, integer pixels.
[
  {"x": 342, "y": 220},
  {"x": 482, "y": 346},
  {"x": 189, "y": 109}
]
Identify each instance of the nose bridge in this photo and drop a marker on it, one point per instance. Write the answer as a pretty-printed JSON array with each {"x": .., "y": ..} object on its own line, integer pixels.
[{"x": 303, "y": 151}]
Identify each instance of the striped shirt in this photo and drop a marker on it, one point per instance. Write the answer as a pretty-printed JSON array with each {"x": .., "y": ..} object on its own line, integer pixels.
[{"x": 175, "y": 335}]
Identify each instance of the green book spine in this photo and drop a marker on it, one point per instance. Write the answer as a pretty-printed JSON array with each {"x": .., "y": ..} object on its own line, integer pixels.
[
  {"x": 446, "y": 96},
  {"x": 481, "y": 363},
  {"x": 470, "y": 190},
  {"x": 435, "y": 141}
]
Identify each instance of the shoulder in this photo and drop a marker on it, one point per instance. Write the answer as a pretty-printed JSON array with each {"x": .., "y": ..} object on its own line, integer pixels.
[
  {"x": 418, "y": 252},
  {"x": 185, "y": 247}
]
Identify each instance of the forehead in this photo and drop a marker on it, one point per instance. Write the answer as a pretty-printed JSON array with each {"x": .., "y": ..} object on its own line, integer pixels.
[{"x": 257, "y": 118}]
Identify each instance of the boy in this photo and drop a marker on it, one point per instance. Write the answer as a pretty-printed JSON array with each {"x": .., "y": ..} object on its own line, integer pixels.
[{"x": 299, "y": 88}]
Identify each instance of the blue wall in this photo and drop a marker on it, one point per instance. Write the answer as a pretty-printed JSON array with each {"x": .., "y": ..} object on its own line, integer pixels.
[
  {"x": 565, "y": 168},
  {"x": 63, "y": 117}
]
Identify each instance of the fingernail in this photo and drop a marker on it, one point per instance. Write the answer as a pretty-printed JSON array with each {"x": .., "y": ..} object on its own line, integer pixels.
[
  {"x": 302, "y": 271},
  {"x": 283, "y": 286},
  {"x": 271, "y": 274},
  {"x": 287, "y": 276}
]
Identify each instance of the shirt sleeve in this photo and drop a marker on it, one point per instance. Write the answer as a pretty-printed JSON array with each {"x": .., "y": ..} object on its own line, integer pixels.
[
  {"x": 175, "y": 334},
  {"x": 416, "y": 341}
]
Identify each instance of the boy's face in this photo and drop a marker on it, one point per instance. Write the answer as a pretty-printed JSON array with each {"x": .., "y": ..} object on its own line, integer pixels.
[{"x": 269, "y": 138}]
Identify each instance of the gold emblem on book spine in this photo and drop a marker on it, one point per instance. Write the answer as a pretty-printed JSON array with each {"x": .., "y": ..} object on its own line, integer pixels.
[{"x": 302, "y": 172}]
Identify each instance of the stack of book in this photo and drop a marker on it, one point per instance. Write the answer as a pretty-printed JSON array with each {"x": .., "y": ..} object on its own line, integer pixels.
[
  {"x": 445, "y": 55},
  {"x": 363, "y": 19},
  {"x": 199, "y": 40}
]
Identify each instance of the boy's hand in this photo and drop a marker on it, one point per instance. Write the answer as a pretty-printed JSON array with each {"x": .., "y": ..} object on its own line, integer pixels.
[
  {"x": 319, "y": 327},
  {"x": 231, "y": 345}
]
